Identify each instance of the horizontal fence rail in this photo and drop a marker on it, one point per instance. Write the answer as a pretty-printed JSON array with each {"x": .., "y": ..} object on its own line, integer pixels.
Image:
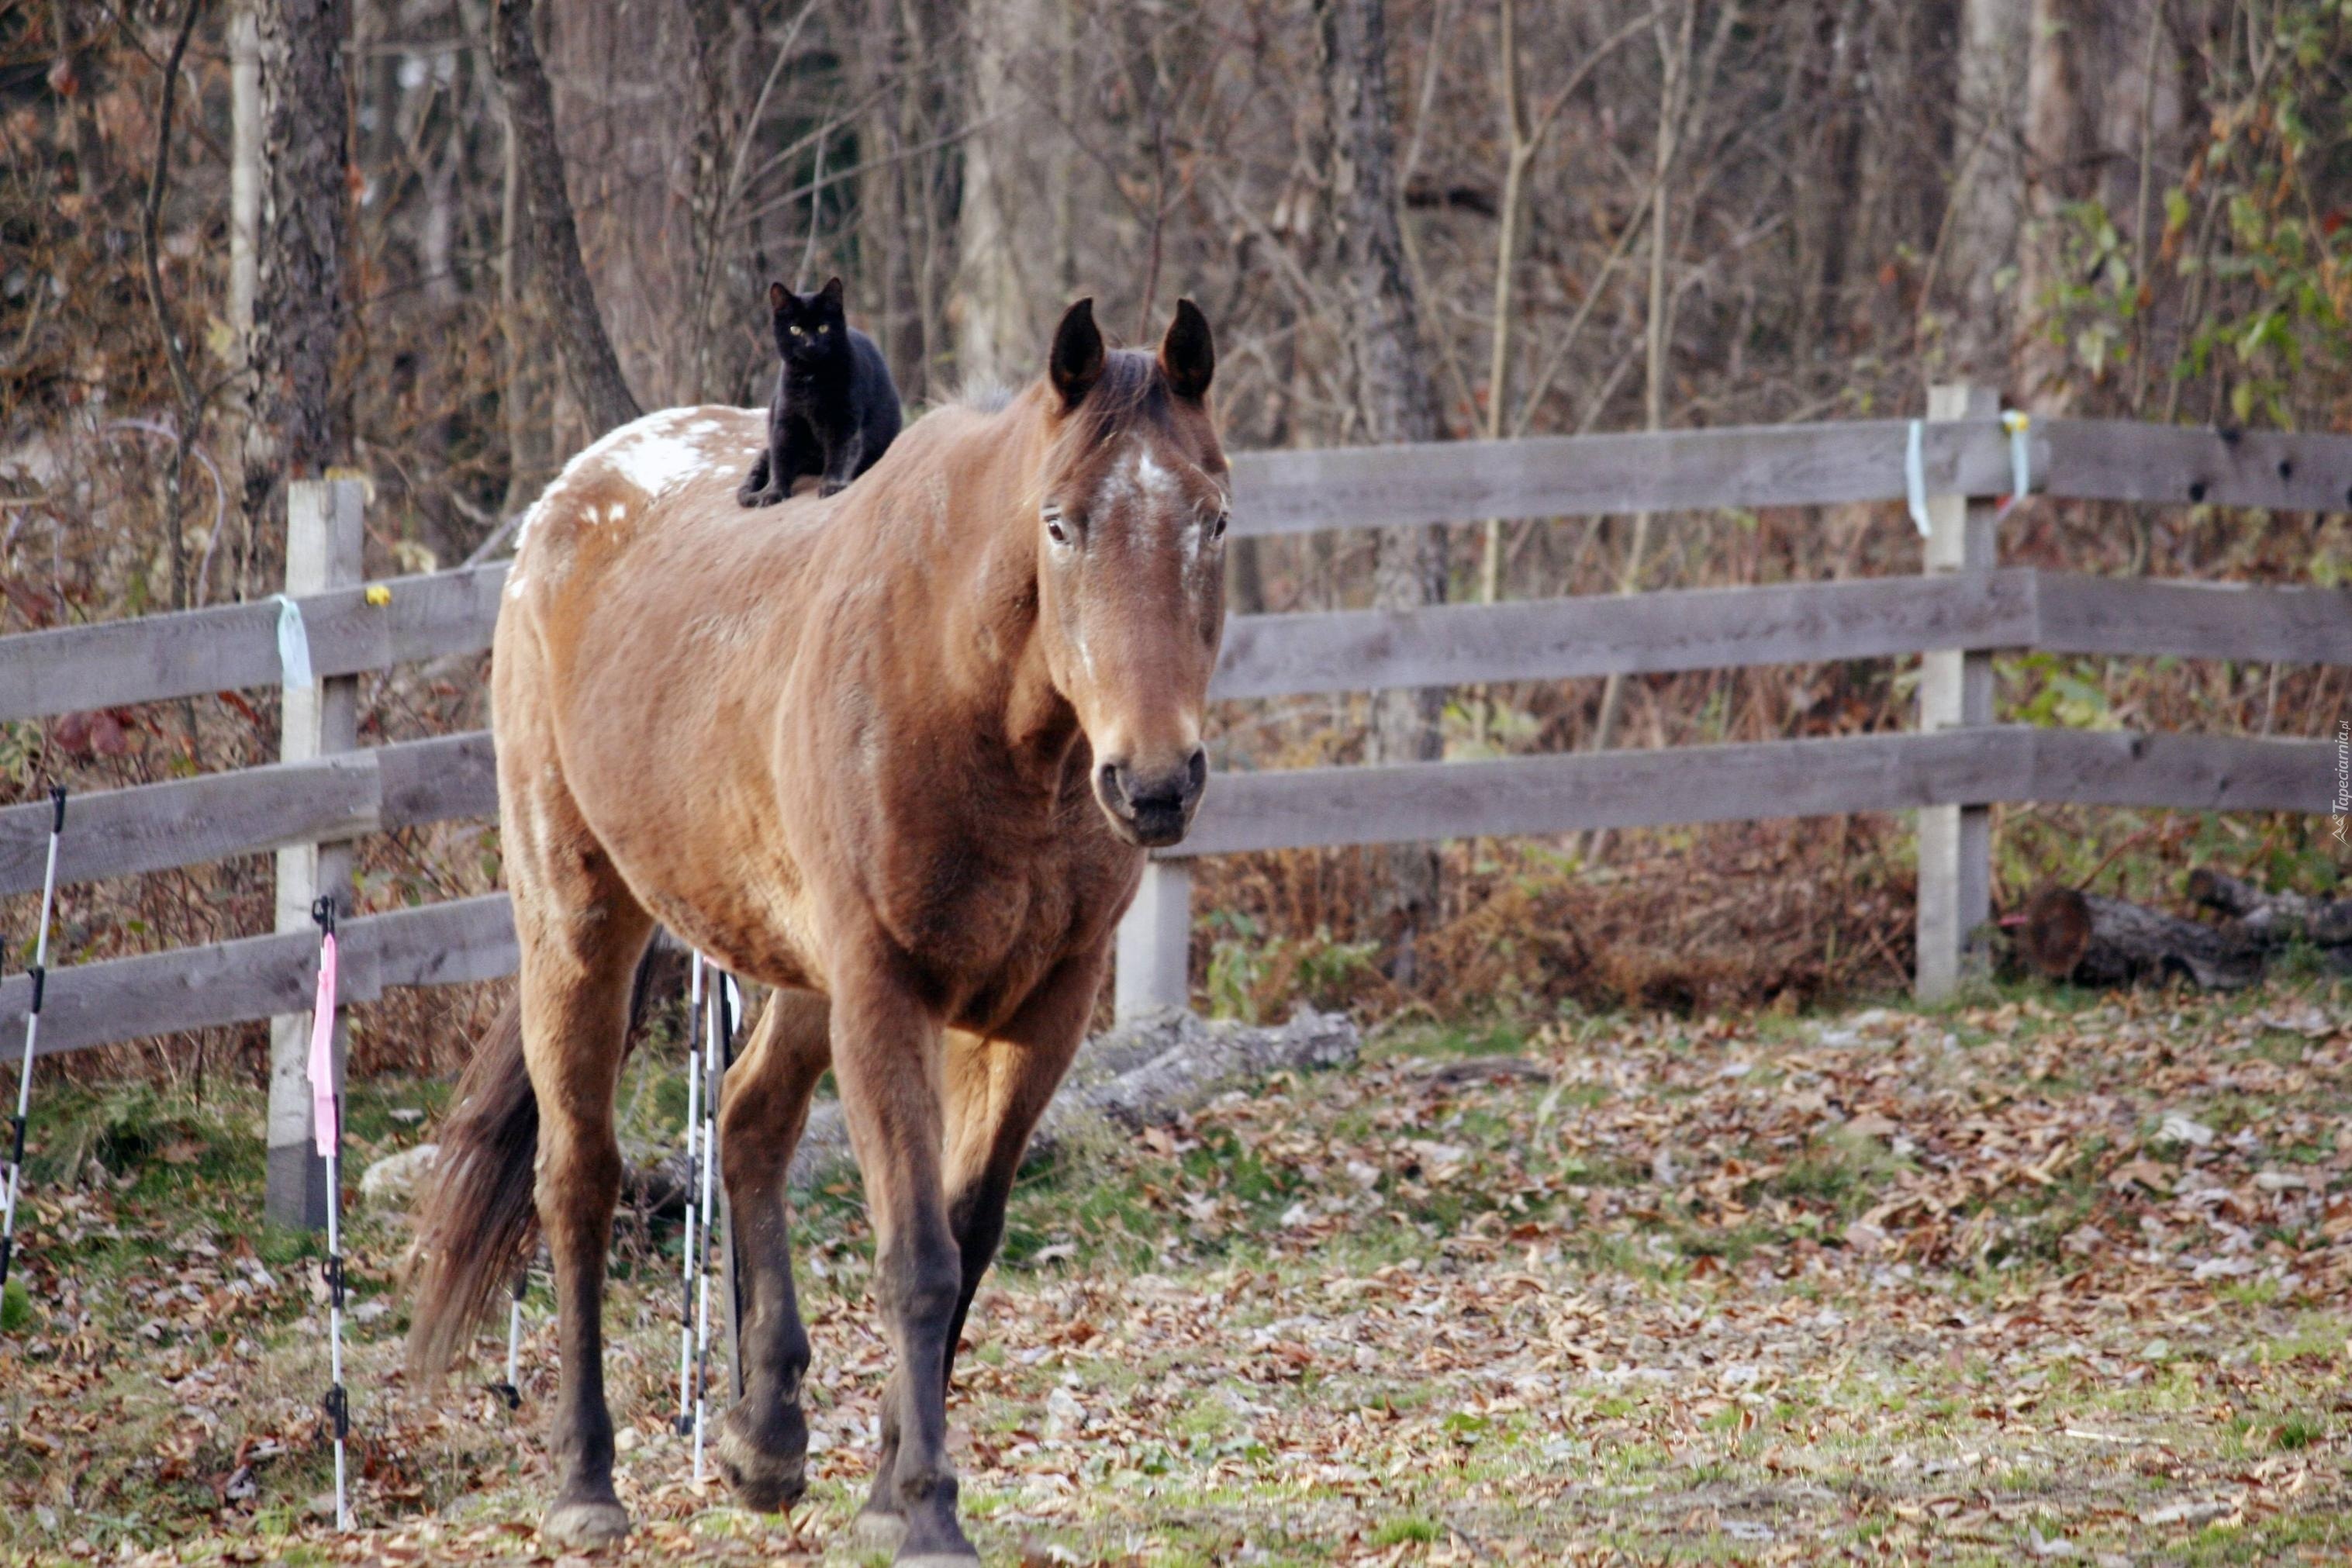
[
  {"x": 1781, "y": 465},
  {"x": 231, "y": 646},
  {"x": 1303, "y": 807},
  {"x": 189, "y": 822},
  {"x": 472, "y": 939},
  {"x": 262, "y": 977}
]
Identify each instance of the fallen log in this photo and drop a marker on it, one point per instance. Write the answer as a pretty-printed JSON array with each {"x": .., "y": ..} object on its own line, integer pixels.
[
  {"x": 1145, "y": 1072},
  {"x": 2097, "y": 940},
  {"x": 2273, "y": 918}
]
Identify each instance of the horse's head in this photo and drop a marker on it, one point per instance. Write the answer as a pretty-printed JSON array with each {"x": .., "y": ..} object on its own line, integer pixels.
[{"x": 1132, "y": 563}]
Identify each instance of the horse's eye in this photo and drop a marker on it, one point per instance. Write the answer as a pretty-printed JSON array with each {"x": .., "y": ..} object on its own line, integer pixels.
[
  {"x": 1217, "y": 529},
  {"x": 1053, "y": 529}
]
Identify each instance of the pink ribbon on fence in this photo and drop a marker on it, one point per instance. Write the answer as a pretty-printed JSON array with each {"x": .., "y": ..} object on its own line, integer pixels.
[{"x": 323, "y": 1051}]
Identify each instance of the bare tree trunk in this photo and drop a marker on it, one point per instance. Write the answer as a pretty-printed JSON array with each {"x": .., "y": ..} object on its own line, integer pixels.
[
  {"x": 244, "y": 174},
  {"x": 295, "y": 429},
  {"x": 1004, "y": 263},
  {"x": 1393, "y": 387},
  {"x": 523, "y": 393},
  {"x": 2057, "y": 142},
  {"x": 577, "y": 327},
  {"x": 1980, "y": 252}
]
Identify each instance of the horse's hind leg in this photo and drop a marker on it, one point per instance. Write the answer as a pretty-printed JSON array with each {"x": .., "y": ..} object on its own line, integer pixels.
[
  {"x": 995, "y": 1092},
  {"x": 763, "y": 1447},
  {"x": 580, "y": 934}
]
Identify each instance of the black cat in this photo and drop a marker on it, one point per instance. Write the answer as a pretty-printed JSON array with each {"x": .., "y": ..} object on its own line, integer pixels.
[{"x": 835, "y": 409}]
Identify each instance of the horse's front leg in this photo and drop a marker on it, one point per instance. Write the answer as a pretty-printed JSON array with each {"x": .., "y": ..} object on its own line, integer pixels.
[
  {"x": 886, "y": 1057},
  {"x": 762, "y": 1446},
  {"x": 996, "y": 1088}
]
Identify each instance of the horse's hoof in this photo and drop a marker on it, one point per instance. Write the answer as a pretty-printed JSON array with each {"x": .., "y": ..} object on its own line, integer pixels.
[
  {"x": 878, "y": 1531},
  {"x": 761, "y": 1483},
  {"x": 584, "y": 1526}
]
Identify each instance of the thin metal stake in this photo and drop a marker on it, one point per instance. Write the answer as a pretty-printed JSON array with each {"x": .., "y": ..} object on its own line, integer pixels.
[
  {"x": 722, "y": 1029},
  {"x": 686, "y": 1269},
  {"x": 511, "y": 1391},
  {"x": 329, "y": 1096},
  {"x": 40, "y": 973}
]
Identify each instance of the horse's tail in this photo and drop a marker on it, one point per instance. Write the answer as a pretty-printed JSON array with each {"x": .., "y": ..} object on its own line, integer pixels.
[{"x": 478, "y": 1215}]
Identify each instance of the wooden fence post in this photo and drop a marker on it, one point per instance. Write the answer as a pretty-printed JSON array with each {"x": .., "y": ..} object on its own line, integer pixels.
[
  {"x": 1954, "y": 692},
  {"x": 325, "y": 526},
  {"x": 1154, "y": 941}
]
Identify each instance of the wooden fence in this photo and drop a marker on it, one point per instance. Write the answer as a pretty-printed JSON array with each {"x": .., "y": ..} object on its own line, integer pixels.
[{"x": 1964, "y": 607}]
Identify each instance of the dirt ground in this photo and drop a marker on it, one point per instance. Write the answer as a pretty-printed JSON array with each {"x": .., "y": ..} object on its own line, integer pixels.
[{"x": 2051, "y": 1275}]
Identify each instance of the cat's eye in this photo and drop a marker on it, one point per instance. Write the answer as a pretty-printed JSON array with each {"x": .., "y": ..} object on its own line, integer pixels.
[
  {"x": 821, "y": 330},
  {"x": 1054, "y": 527},
  {"x": 795, "y": 331}
]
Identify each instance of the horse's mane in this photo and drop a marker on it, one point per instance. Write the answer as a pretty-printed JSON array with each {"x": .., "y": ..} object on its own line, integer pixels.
[{"x": 1131, "y": 392}]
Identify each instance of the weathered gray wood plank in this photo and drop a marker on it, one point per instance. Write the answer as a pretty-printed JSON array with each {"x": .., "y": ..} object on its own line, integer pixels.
[
  {"x": 230, "y": 646},
  {"x": 188, "y": 822},
  {"x": 1703, "y": 628},
  {"x": 1308, "y": 807},
  {"x": 1572, "y": 476},
  {"x": 238, "y": 982},
  {"x": 2183, "y": 773},
  {"x": 437, "y": 779},
  {"x": 2118, "y": 460},
  {"x": 2081, "y": 614}
]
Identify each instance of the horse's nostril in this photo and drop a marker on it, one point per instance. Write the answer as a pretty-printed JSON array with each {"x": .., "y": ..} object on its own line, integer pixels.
[
  {"x": 1111, "y": 780},
  {"x": 1196, "y": 770}
]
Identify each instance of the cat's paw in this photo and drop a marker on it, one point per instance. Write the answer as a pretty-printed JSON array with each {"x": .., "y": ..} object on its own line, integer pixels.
[
  {"x": 747, "y": 496},
  {"x": 831, "y": 487}
]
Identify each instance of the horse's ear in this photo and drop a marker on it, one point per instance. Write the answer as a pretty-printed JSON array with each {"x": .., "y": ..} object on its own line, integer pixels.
[
  {"x": 1187, "y": 356},
  {"x": 1076, "y": 361},
  {"x": 777, "y": 295},
  {"x": 832, "y": 291}
]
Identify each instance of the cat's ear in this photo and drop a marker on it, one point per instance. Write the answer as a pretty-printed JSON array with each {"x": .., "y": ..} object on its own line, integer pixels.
[
  {"x": 1076, "y": 362},
  {"x": 777, "y": 295},
  {"x": 1187, "y": 358},
  {"x": 830, "y": 295}
]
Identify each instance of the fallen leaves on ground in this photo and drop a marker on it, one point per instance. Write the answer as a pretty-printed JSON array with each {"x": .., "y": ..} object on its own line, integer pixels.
[{"x": 2018, "y": 1282}]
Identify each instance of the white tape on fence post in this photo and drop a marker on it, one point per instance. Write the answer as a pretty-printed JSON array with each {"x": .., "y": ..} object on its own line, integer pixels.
[
  {"x": 2020, "y": 458},
  {"x": 293, "y": 645},
  {"x": 1915, "y": 476}
]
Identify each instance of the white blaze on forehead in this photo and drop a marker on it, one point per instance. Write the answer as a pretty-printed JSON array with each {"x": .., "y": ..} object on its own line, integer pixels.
[
  {"x": 1139, "y": 474},
  {"x": 1153, "y": 481}
]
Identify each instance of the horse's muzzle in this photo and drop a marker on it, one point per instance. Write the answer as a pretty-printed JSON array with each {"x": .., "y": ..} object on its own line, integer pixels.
[{"x": 1152, "y": 809}]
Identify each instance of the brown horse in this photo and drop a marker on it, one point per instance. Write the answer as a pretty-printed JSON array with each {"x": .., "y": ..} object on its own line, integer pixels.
[{"x": 898, "y": 753}]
